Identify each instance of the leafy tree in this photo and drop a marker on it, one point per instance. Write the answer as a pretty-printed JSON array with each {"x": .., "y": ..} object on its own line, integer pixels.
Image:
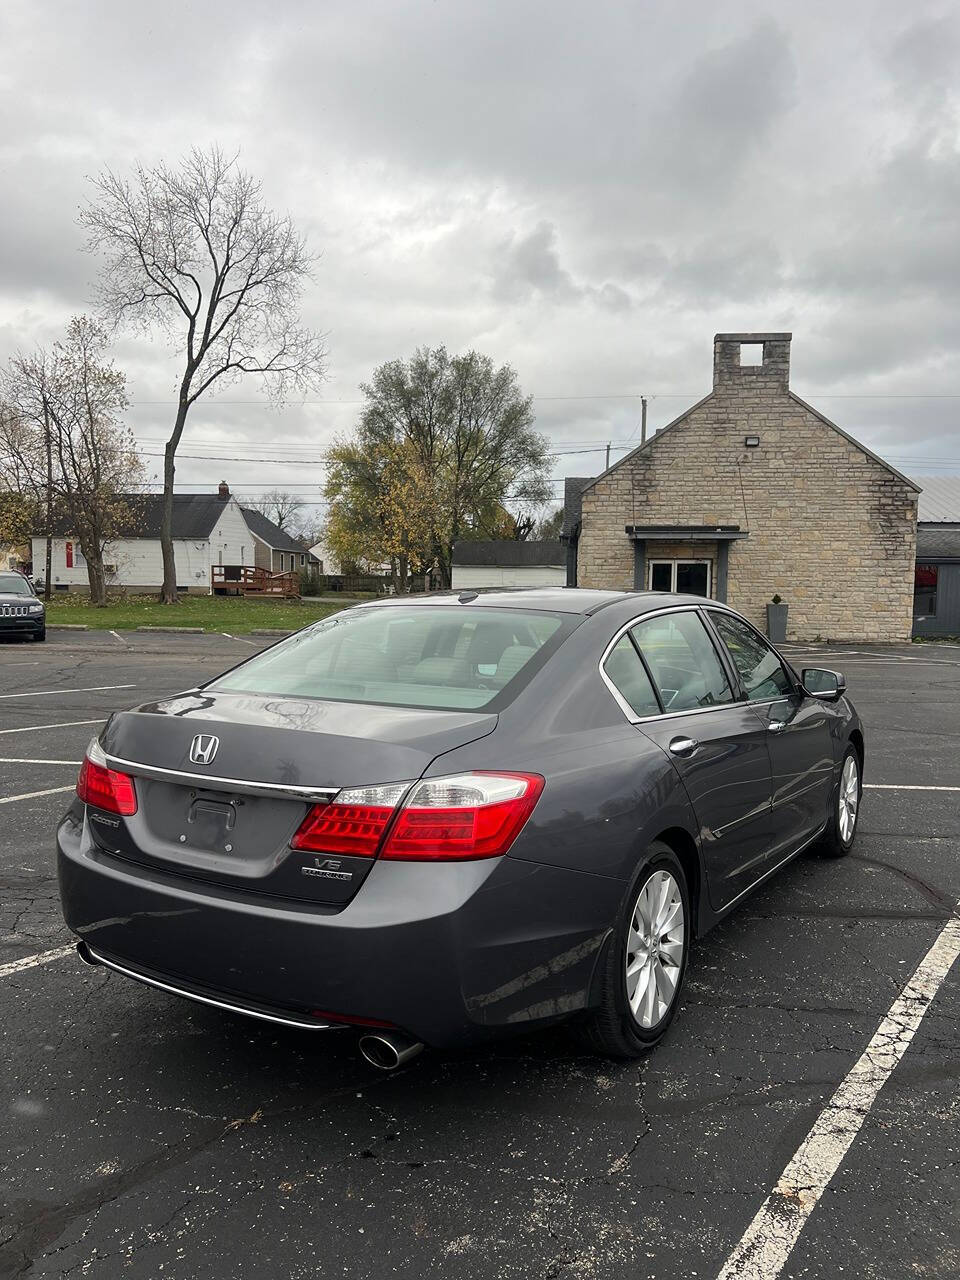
[
  {"x": 194, "y": 251},
  {"x": 549, "y": 526},
  {"x": 467, "y": 446},
  {"x": 381, "y": 502},
  {"x": 74, "y": 397}
]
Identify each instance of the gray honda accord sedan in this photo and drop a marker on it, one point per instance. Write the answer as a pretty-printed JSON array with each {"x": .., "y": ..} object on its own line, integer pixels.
[{"x": 444, "y": 819}]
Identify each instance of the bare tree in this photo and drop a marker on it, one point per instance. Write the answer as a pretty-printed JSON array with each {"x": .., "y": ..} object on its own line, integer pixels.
[
  {"x": 67, "y": 404},
  {"x": 194, "y": 251},
  {"x": 281, "y": 507}
]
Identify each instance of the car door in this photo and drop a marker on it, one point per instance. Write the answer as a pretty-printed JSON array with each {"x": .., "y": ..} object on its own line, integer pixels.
[
  {"x": 716, "y": 743},
  {"x": 797, "y": 731}
]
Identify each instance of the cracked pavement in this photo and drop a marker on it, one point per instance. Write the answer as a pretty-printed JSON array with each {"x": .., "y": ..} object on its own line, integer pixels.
[{"x": 144, "y": 1136}]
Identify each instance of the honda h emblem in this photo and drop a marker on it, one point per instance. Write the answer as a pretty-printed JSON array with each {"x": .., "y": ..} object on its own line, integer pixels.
[{"x": 203, "y": 748}]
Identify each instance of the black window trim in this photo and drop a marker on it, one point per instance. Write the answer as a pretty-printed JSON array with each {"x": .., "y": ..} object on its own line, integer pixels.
[
  {"x": 743, "y": 697},
  {"x": 722, "y": 655}
]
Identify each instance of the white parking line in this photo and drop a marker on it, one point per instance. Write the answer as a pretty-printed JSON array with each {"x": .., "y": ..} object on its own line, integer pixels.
[
  {"x": 32, "y": 795},
  {"x": 64, "y": 724},
  {"x": 902, "y": 786},
  {"x": 30, "y": 962},
  {"x": 240, "y": 638},
  {"x": 50, "y": 693},
  {"x": 769, "y": 1240},
  {"x": 120, "y": 638}
]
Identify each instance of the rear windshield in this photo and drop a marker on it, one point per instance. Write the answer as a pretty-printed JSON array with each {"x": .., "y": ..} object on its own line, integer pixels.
[
  {"x": 449, "y": 657},
  {"x": 13, "y": 584}
]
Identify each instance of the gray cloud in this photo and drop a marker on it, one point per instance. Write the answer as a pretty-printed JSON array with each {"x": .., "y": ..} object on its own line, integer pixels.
[{"x": 587, "y": 192}]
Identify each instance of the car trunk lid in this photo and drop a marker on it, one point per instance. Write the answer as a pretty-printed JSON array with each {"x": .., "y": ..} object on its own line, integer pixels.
[{"x": 230, "y": 820}]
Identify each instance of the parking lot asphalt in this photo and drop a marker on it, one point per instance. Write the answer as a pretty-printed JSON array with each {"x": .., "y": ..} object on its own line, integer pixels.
[{"x": 143, "y": 1136}]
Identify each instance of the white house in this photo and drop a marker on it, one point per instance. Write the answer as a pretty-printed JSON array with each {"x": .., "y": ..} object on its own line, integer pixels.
[
  {"x": 208, "y": 530},
  {"x": 503, "y": 562}
]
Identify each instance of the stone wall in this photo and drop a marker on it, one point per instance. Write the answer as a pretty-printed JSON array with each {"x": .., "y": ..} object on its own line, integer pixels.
[{"x": 831, "y": 529}]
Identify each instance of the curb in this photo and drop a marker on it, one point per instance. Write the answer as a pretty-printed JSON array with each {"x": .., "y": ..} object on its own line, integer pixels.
[
  {"x": 269, "y": 631},
  {"x": 67, "y": 626},
  {"x": 193, "y": 631}
]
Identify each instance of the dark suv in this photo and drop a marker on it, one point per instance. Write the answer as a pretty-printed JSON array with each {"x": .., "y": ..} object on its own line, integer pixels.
[{"x": 21, "y": 611}]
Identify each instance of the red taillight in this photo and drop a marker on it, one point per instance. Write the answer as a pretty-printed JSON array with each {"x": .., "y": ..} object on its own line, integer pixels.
[
  {"x": 353, "y": 823},
  {"x": 343, "y": 828},
  {"x": 105, "y": 788},
  {"x": 472, "y": 815}
]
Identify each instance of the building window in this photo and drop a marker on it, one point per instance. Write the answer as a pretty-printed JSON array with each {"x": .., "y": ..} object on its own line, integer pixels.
[
  {"x": 303, "y": 561},
  {"x": 925, "y": 591},
  {"x": 751, "y": 355},
  {"x": 689, "y": 577}
]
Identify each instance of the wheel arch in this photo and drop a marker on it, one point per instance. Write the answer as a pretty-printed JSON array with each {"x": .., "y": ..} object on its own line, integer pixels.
[
  {"x": 856, "y": 738},
  {"x": 685, "y": 847}
]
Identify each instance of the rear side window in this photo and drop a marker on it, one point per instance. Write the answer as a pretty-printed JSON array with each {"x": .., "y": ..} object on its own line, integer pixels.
[
  {"x": 683, "y": 662},
  {"x": 624, "y": 669},
  {"x": 761, "y": 671},
  {"x": 437, "y": 656}
]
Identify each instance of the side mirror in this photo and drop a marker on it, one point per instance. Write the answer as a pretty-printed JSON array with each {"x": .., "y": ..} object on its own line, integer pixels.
[{"x": 828, "y": 686}]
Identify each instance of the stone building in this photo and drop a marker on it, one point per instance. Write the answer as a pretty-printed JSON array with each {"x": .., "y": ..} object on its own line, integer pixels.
[{"x": 751, "y": 493}]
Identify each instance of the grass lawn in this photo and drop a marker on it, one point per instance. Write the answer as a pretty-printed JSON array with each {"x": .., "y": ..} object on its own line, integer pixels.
[{"x": 214, "y": 613}]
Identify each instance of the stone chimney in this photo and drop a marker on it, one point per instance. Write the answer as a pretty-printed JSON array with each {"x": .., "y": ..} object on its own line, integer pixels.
[
  {"x": 756, "y": 361},
  {"x": 224, "y": 491}
]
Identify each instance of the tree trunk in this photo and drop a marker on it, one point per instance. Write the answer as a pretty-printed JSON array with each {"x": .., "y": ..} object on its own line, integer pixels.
[
  {"x": 168, "y": 592},
  {"x": 48, "y": 574},
  {"x": 403, "y": 575},
  {"x": 95, "y": 575}
]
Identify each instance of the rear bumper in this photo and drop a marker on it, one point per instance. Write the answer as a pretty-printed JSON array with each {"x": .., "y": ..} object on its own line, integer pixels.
[{"x": 451, "y": 954}]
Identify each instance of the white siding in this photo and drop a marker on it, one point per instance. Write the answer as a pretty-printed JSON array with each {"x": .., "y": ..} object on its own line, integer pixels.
[
  {"x": 231, "y": 542},
  {"x": 474, "y": 575},
  {"x": 139, "y": 562}
]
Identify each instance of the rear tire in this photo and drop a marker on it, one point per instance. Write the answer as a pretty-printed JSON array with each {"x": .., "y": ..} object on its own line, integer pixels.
[
  {"x": 845, "y": 806},
  {"x": 642, "y": 972}
]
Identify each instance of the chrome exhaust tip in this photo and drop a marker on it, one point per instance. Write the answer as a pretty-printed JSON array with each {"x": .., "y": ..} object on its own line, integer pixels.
[
  {"x": 387, "y": 1050},
  {"x": 87, "y": 956}
]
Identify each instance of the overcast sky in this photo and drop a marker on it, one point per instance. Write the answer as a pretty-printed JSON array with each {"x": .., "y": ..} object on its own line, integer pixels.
[{"x": 586, "y": 190}]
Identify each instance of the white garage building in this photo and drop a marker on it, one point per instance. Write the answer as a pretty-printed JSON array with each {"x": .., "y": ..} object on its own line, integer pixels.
[{"x": 502, "y": 562}]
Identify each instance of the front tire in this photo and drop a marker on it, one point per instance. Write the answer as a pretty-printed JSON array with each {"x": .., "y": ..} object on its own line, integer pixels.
[
  {"x": 645, "y": 962},
  {"x": 40, "y": 635},
  {"x": 842, "y": 828}
]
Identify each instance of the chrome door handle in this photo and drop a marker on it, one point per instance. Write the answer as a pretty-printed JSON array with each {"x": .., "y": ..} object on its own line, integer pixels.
[
  {"x": 776, "y": 726},
  {"x": 683, "y": 746}
]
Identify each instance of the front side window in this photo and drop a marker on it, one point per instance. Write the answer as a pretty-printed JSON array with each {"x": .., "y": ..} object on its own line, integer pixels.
[
  {"x": 761, "y": 671},
  {"x": 434, "y": 656},
  {"x": 624, "y": 669},
  {"x": 683, "y": 662}
]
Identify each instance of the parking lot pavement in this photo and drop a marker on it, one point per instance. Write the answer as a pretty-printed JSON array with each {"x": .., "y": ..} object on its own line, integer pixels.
[{"x": 144, "y": 1136}]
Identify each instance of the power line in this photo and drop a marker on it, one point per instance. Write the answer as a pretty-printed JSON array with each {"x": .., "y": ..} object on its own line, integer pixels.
[{"x": 626, "y": 395}]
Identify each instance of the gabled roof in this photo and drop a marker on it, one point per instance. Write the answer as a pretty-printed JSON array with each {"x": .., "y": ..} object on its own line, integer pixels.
[
  {"x": 194, "y": 516},
  {"x": 508, "y": 553},
  {"x": 573, "y": 487},
  {"x": 270, "y": 533},
  {"x": 940, "y": 499},
  {"x": 810, "y": 409}
]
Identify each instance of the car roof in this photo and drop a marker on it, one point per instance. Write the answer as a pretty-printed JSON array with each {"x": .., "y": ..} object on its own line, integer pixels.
[{"x": 580, "y": 600}]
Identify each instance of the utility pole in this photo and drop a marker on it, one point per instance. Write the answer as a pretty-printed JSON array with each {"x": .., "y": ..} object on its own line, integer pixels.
[
  {"x": 643, "y": 419},
  {"x": 48, "y": 574}
]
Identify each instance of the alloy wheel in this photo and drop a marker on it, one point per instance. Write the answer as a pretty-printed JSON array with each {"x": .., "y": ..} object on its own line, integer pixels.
[
  {"x": 655, "y": 948},
  {"x": 849, "y": 800}
]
